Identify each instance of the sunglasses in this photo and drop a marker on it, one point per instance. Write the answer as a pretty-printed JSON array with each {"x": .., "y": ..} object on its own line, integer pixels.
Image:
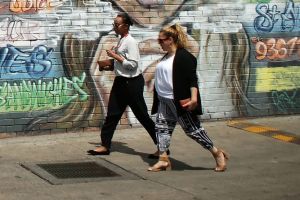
[
  {"x": 161, "y": 40},
  {"x": 116, "y": 25}
]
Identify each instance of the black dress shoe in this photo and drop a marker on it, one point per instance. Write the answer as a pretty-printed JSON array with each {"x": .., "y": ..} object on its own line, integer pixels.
[
  {"x": 153, "y": 156},
  {"x": 94, "y": 153}
]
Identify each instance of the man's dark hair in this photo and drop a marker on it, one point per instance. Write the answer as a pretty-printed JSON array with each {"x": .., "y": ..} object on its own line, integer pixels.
[{"x": 126, "y": 18}]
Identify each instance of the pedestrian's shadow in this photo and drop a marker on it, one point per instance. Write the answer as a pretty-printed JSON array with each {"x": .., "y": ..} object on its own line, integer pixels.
[{"x": 176, "y": 164}]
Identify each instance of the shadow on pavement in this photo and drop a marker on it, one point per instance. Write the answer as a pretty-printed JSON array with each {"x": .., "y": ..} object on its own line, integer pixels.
[{"x": 176, "y": 164}]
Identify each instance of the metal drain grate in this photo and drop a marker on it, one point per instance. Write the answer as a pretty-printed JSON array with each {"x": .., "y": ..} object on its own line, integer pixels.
[{"x": 79, "y": 171}]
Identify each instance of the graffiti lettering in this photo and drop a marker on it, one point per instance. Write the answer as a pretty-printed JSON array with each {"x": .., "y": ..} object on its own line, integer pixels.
[
  {"x": 275, "y": 49},
  {"x": 269, "y": 16},
  {"x": 266, "y": 19},
  {"x": 36, "y": 63},
  {"x": 39, "y": 63},
  {"x": 18, "y": 29},
  {"x": 288, "y": 17},
  {"x": 283, "y": 101},
  {"x": 21, "y": 6},
  {"x": 41, "y": 95}
]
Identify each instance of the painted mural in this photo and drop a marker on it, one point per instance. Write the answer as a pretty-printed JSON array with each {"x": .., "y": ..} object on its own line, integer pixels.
[{"x": 247, "y": 50}]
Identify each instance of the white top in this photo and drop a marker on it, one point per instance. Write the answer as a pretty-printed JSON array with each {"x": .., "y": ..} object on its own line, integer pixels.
[
  {"x": 127, "y": 48},
  {"x": 164, "y": 78}
]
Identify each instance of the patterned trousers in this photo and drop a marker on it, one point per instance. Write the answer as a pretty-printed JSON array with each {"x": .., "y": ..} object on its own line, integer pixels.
[{"x": 166, "y": 120}]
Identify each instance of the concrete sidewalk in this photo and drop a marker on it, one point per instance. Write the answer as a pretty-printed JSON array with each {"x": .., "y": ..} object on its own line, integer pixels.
[{"x": 259, "y": 167}]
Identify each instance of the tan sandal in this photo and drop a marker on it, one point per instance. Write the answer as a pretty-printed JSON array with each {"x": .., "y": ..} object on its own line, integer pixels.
[
  {"x": 163, "y": 164},
  {"x": 221, "y": 157}
]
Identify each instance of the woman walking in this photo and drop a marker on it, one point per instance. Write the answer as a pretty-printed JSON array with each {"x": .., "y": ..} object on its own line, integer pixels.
[
  {"x": 128, "y": 86},
  {"x": 177, "y": 98}
]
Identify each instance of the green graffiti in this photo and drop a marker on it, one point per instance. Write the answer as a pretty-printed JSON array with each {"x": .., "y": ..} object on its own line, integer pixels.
[
  {"x": 263, "y": 1},
  {"x": 257, "y": 1},
  {"x": 32, "y": 96},
  {"x": 285, "y": 102}
]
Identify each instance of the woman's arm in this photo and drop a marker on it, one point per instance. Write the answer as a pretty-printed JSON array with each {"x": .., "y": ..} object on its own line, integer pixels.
[{"x": 128, "y": 60}]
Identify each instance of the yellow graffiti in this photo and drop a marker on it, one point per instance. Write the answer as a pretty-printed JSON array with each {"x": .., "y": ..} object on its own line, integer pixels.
[
  {"x": 277, "y": 78},
  {"x": 21, "y": 6}
]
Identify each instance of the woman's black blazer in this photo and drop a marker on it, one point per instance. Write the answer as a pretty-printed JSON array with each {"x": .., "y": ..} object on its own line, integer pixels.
[{"x": 184, "y": 77}]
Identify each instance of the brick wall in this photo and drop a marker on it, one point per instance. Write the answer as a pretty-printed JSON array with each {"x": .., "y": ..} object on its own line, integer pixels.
[{"x": 248, "y": 58}]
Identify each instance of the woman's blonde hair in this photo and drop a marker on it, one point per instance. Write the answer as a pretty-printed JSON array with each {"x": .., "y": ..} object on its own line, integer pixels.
[{"x": 177, "y": 33}]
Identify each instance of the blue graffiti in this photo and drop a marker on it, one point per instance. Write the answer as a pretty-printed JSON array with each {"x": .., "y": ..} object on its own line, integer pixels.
[
  {"x": 266, "y": 19},
  {"x": 36, "y": 63},
  {"x": 270, "y": 15},
  {"x": 40, "y": 63},
  {"x": 288, "y": 17}
]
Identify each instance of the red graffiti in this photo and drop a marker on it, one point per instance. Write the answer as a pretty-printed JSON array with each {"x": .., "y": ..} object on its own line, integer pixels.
[{"x": 276, "y": 48}]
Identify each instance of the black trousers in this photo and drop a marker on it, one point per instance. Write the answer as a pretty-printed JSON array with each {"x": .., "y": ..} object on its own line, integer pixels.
[{"x": 126, "y": 92}]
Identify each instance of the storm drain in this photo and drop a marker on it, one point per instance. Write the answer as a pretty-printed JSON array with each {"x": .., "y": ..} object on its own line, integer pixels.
[{"x": 79, "y": 171}]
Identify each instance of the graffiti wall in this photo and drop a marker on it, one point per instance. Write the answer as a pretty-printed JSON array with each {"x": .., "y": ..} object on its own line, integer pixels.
[{"x": 248, "y": 58}]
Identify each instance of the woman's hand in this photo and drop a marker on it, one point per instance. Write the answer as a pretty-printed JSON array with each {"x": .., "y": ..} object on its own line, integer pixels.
[
  {"x": 188, "y": 104},
  {"x": 111, "y": 53}
]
